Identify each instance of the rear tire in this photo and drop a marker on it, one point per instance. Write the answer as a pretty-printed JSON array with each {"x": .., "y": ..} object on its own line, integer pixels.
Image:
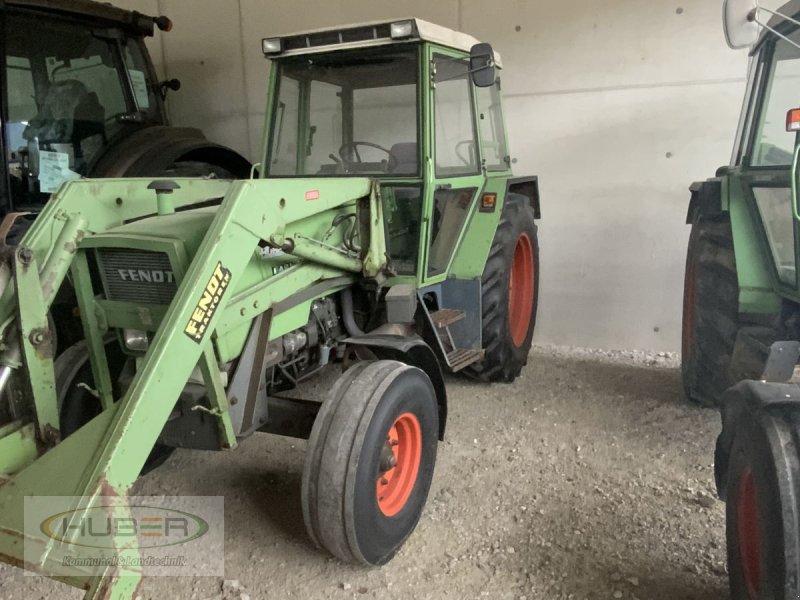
[
  {"x": 710, "y": 312},
  {"x": 370, "y": 461},
  {"x": 762, "y": 510},
  {"x": 510, "y": 294},
  {"x": 193, "y": 168}
]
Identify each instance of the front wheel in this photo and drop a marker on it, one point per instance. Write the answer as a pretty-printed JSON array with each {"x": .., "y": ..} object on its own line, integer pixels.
[
  {"x": 370, "y": 461},
  {"x": 762, "y": 509},
  {"x": 509, "y": 294}
]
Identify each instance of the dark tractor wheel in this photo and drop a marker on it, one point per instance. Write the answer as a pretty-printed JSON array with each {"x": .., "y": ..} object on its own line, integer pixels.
[
  {"x": 710, "y": 312},
  {"x": 370, "y": 461},
  {"x": 77, "y": 404},
  {"x": 762, "y": 509},
  {"x": 510, "y": 294},
  {"x": 192, "y": 168}
]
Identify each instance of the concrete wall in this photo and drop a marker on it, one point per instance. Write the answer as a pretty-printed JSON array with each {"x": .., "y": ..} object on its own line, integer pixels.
[{"x": 618, "y": 105}]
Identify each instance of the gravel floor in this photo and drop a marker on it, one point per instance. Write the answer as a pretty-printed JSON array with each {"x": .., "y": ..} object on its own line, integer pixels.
[{"x": 587, "y": 478}]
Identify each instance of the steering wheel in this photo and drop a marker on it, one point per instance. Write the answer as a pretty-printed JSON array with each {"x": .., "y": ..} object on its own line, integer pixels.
[
  {"x": 470, "y": 146},
  {"x": 351, "y": 149}
]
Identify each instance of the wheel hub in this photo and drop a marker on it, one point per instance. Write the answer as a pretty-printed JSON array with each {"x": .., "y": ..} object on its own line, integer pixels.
[
  {"x": 399, "y": 464},
  {"x": 521, "y": 290},
  {"x": 749, "y": 534}
]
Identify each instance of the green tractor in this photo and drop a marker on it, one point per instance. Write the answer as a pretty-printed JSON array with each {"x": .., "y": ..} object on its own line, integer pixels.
[
  {"x": 741, "y": 330},
  {"x": 386, "y": 236}
]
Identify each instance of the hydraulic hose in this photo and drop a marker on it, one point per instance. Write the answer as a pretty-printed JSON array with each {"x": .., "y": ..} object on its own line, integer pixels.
[{"x": 348, "y": 316}]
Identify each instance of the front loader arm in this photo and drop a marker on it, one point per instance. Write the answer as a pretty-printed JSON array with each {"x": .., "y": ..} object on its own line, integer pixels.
[{"x": 105, "y": 457}]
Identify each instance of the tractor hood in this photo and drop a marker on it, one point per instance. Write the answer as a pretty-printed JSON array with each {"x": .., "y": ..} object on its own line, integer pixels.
[{"x": 142, "y": 261}]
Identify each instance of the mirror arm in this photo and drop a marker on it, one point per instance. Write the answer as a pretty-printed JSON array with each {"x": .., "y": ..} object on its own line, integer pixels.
[{"x": 490, "y": 65}]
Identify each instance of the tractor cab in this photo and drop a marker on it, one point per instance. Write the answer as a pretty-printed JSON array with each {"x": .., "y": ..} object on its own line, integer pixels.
[
  {"x": 411, "y": 104},
  {"x": 765, "y": 153}
]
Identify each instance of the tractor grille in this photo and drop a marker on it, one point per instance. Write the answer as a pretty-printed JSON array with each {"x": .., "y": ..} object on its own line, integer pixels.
[{"x": 137, "y": 276}]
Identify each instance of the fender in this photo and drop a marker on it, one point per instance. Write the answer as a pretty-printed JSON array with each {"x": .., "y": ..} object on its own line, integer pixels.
[
  {"x": 151, "y": 150},
  {"x": 411, "y": 350},
  {"x": 749, "y": 401},
  {"x": 706, "y": 200},
  {"x": 528, "y": 187}
]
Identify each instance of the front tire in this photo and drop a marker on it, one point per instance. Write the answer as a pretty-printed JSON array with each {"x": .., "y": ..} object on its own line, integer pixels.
[
  {"x": 762, "y": 509},
  {"x": 370, "y": 461},
  {"x": 510, "y": 294}
]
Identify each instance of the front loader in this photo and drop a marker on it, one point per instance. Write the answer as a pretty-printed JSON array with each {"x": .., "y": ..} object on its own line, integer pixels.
[
  {"x": 741, "y": 332},
  {"x": 386, "y": 236}
]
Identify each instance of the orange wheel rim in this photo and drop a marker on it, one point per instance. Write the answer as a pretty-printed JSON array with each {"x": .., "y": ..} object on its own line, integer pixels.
[
  {"x": 520, "y": 290},
  {"x": 688, "y": 311},
  {"x": 749, "y": 534},
  {"x": 400, "y": 460}
]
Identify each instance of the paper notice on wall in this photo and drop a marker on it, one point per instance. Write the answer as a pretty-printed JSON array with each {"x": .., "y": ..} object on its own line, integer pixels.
[
  {"x": 139, "y": 82},
  {"x": 54, "y": 170}
]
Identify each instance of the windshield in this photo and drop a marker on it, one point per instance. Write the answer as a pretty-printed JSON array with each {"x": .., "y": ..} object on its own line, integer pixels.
[
  {"x": 346, "y": 113},
  {"x": 71, "y": 89}
]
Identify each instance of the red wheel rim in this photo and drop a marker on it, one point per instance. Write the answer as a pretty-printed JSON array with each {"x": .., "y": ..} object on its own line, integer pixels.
[
  {"x": 688, "y": 310},
  {"x": 400, "y": 460},
  {"x": 749, "y": 534},
  {"x": 520, "y": 290}
]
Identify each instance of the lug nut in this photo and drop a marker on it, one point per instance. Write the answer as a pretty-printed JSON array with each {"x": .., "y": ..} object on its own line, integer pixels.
[
  {"x": 39, "y": 336},
  {"x": 25, "y": 255}
]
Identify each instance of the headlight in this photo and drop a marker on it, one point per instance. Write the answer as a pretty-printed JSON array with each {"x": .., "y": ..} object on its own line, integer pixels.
[
  {"x": 135, "y": 340},
  {"x": 401, "y": 29},
  {"x": 271, "y": 46}
]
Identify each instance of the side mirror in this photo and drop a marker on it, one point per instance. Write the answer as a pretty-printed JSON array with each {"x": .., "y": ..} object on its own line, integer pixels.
[
  {"x": 739, "y": 20},
  {"x": 481, "y": 65}
]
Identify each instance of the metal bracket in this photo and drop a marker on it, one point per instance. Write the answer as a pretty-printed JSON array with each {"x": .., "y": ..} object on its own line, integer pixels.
[
  {"x": 37, "y": 345},
  {"x": 783, "y": 358}
]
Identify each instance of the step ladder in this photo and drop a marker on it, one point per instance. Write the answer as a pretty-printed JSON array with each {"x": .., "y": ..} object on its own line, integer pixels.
[{"x": 457, "y": 358}]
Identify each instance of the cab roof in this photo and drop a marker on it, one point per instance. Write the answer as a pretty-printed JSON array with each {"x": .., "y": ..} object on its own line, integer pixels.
[
  {"x": 375, "y": 33},
  {"x": 131, "y": 20}
]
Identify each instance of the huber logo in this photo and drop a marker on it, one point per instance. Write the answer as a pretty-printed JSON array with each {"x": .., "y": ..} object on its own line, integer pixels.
[
  {"x": 98, "y": 527},
  {"x": 209, "y": 302}
]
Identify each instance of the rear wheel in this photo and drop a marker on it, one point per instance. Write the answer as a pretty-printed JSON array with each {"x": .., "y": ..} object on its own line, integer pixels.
[
  {"x": 510, "y": 290},
  {"x": 370, "y": 461},
  {"x": 193, "y": 168},
  {"x": 710, "y": 312},
  {"x": 762, "y": 510}
]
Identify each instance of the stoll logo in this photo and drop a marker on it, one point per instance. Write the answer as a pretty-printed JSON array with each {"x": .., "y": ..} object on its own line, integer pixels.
[{"x": 105, "y": 527}]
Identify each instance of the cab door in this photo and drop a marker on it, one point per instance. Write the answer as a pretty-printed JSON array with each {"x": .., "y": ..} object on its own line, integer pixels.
[
  {"x": 454, "y": 174},
  {"x": 762, "y": 205}
]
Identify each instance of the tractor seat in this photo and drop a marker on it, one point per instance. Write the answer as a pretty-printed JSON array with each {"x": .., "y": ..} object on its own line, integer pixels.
[{"x": 406, "y": 159}]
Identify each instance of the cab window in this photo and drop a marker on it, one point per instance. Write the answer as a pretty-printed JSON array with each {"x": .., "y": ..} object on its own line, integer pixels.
[
  {"x": 772, "y": 145},
  {"x": 456, "y": 139},
  {"x": 493, "y": 134}
]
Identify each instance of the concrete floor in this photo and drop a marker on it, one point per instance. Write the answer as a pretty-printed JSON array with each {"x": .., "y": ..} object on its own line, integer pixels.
[{"x": 589, "y": 477}]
